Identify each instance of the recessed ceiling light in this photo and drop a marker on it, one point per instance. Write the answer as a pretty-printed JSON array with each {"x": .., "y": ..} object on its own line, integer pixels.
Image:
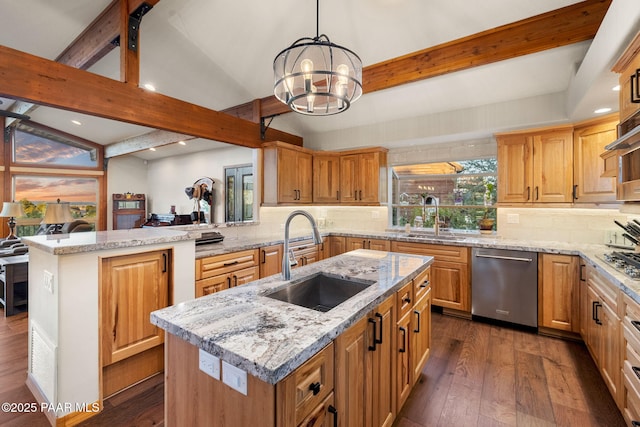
[
  {"x": 152, "y": 149},
  {"x": 602, "y": 110},
  {"x": 76, "y": 122},
  {"x": 182, "y": 143},
  {"x": 616, "y": 88},
  {"x": 150, "y": 87}
]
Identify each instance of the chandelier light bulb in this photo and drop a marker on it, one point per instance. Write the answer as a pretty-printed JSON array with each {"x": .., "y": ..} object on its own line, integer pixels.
[{"x": 343, "y": 74}]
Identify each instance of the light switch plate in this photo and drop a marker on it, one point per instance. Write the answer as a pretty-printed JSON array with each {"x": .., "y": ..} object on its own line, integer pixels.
[
  {"x": 209, "y": 364},
  {"x": 48, "y": 281},
  {"x": 234, "y": 377}
]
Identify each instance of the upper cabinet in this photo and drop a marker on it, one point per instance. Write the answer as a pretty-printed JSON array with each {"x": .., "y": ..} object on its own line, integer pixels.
[
  {"x": 592, "y": 181},
  {"x": 287, "y": 174},
  {"x": 535, "y": 167},
  {"x": 628, "y": 66},
  {"x": 361, "y": 176},
  {"x": 295, "y": 175}
]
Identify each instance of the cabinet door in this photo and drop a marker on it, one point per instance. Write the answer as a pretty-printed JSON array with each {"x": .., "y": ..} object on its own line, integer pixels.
[
  {"x": 420, "y": 335},
  {"x": 559, "y": 302},
  {"x": 337, "y": 245},
  {"x": 354, "y": 243},
  {"x": 212, "y": 285},
  {"x": 610, "y": 362},
  {"x": 588, "y": 144},
  {"x": 132, "y": 286},
  {"x": 553, "y": 167},
  {"x": 382, "y": 384},
  {"x": 304, "y": 163},
  {"x": 351, "y": 349},
  {"x": 515, "y": 172},
  {"x": 450, "y": 284},
  {"x": 379, "y": 245},
  {"x": 287, "y": 176},
  {"x": 326, "y": 178},
  {"x": 324, "y": 415},
  {"x": 593, "y": 341},
  {"x": 270, "y": 260},
  {"x": 244, "y": 276},
  {"x": 368, "y": 177},
  {"x": 349, "y": 178},
  {"x": 404, "y": 368}
]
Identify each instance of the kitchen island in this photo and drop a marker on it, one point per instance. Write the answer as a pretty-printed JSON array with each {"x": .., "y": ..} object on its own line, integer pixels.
[
  {"x": 73, "y": 288},
  {"x": 263, "y": 343}
]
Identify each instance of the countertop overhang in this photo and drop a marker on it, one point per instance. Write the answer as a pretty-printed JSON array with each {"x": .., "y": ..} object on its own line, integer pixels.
[{"x": 268, "y": 338}]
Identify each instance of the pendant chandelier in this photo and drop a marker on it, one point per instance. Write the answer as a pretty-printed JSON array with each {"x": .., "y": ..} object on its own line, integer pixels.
[{"x": 316, "y": 77}]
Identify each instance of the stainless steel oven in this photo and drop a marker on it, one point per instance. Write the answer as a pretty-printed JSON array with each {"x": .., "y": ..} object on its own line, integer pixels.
[{"x": 629, "y": 173}]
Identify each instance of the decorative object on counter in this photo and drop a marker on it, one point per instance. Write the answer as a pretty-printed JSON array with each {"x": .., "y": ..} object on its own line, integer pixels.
[
  {"x": 316, "y": 77},
  {"x": 488, "y": 194},
  {"x": 12, "y": 210},
  {"x": 55, "y": 216},
  {"x": 486, "y": 224},
  {"x": 202, "y": 189}
]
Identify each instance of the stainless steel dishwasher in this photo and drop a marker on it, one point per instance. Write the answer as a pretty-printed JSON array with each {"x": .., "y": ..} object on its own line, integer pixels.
[{"x": 504, "y": 285}]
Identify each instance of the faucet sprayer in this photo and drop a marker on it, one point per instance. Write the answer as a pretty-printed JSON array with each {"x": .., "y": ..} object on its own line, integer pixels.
[{"x": 317, "y": 239}]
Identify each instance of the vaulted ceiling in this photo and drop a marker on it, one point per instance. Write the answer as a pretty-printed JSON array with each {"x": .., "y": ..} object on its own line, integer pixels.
[{"x": 219, "y": 55}]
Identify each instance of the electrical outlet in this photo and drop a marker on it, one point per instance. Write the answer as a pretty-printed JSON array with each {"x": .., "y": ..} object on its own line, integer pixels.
[
  {"x": 48, "y": 281},
  {"x": 234, "y": 377},
  {"x": 611, "y": 237},
  {"x": 209, "y": 364}
]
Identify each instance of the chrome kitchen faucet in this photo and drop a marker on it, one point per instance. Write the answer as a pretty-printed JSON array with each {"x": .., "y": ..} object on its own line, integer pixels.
[{"x": 317, "y": 239}]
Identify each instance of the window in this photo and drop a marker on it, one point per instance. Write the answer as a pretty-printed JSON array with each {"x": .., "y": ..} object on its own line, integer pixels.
[
  {"x": 239, "y": 189},
  {"x": 465, "y": 191}
]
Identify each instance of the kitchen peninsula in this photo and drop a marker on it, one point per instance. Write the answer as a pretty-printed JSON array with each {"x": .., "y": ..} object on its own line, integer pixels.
[
  {"x": 278, "y": 358},
  {"x": 90, "y": 295}
]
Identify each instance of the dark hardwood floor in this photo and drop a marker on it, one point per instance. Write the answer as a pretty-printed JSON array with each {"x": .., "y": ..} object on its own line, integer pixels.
[{"x": 477, "y": 375}]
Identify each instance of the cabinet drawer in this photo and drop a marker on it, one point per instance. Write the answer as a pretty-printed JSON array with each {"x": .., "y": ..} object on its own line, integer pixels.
[
  {"x": 404, "y": 299},
  {"x": 632, "y": 390},
  {"x": 307, "y": 387},
  {"x": 605, "y": 289},
  {"x": 421, "y": 284},
  {"x": 439, "y": 252},
  {"x": 212, "y": 285},
  {"x": 222, "y": 264}
]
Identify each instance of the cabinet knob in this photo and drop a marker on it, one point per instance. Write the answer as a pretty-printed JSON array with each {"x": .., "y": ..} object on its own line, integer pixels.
[{"x": 315, "y": 388}]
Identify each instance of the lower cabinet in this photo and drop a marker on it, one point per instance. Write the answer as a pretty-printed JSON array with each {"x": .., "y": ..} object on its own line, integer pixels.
[
  {"x": 603, "y": 337},
  {"x": 337, "y": 245},
  {"x": 365, "y": 369},
  {"x": 558, "y": 292},
  {"x": 451, "y": 287},
  {"x": 270, "y": 260},
  {"x": 305, "y": 252},
  {"x": 630, "y": 396},
  {"x": 132, "y": 286},
  {"x": 365, "y": 243},
  {"x": 219, "y": 272}
]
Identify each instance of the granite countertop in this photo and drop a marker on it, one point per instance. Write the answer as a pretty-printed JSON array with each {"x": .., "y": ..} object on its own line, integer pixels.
[
  {"x": 65, "y": 244},
  {"x": 268, "y": 338}
]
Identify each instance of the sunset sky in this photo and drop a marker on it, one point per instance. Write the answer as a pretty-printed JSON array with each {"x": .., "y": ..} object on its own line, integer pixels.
[{"x": 48, "y": 189}]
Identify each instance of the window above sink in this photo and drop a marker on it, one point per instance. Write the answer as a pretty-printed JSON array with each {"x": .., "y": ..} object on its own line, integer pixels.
[{"x": 465, "y": 191}]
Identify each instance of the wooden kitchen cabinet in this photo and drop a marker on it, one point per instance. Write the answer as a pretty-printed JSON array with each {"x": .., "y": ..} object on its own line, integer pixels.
[
  {"x": 326, "y": 177},
  {"x": 626, "y": 66},
  {"x": 592, "y": 183},
  {"x": 287, "y": 172},
  {"x": 305, "y": 252},
  {"x": 559, "y": 304},
  {"x": 363, "y": 176},
  {"x": 337, "y": 245},
  {"x": 270, "y": 260},
  {"x": 131, "y": 287},
  {"x": 535, "y": 167},
  {"x": 365, "y": 369},
  {"x": 630, "y": 393},
  {"x": 354, "y": 243},
  {"x": 219, "y": 272},
  {"x": 451, "y": 287},
  {"x": 603, "y": 337}
]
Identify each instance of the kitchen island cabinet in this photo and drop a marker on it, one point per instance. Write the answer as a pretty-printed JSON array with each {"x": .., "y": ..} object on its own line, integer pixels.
[
  {"x": 69, "y": 281},
  {"x": 220, "y": 272},
  {"x": 285, "y": 341}
]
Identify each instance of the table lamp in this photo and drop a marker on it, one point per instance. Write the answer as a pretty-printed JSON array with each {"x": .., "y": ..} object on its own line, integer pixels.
[
  {"x": 55, "y": 215},
  {"x": 11, "y": 210}
]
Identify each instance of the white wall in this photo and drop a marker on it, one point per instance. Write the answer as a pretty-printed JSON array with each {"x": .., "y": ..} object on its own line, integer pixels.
[
  {"x": 125, "y": 174},
  {"x": 169, "y": 177}
]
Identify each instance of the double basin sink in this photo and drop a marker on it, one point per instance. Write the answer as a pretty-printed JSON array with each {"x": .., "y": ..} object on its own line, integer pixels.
[{"x": 320, "y": 292}]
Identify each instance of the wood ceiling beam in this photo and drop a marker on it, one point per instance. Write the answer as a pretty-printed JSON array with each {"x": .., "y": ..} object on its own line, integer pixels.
[
  {"x": 30, "y": 78},
  {"x": 153, "y": 139},
  {"x": 561, "y": 27}
]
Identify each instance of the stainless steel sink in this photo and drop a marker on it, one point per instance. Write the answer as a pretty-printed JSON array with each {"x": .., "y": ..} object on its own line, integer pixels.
[{"x": 320, "y": 292}]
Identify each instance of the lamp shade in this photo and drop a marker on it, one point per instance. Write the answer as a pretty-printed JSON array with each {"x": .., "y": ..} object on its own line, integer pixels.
[
  {"x": 57, "y": 213},
  {"x": 11, "y": 209}
]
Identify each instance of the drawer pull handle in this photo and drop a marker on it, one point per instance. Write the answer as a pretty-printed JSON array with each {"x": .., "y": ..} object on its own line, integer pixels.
[
  {"x": 424, "y": 284},
  {"x": 635, "y": 423},
  {"x": 229, "y": 264},
  {"x": 315, "y": 388},
  {"x": 404, "y": 340},
  {"x": 636, "y": 324},
  {"x": 406, "y": 300},
  {"x": 334, "y": 411}
]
